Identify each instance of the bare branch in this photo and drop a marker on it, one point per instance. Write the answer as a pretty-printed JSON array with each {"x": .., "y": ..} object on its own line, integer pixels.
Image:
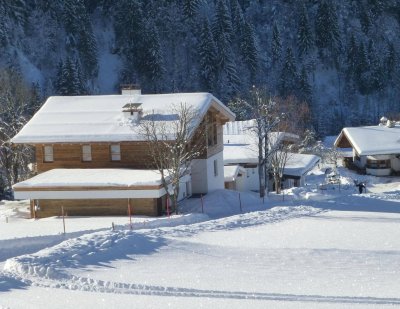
[{"x": 173, "y": 144}]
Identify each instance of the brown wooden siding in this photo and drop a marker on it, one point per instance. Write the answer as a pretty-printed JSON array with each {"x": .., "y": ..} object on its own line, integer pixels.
[
  {"x": 133, "y": 155},
  {"x": 100, "y": 207}
]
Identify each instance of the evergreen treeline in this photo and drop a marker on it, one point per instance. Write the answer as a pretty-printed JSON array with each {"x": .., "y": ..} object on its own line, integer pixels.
[{"x": 340, "y": 57}]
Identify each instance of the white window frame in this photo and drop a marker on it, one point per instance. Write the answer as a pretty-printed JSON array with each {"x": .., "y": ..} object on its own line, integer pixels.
[
  {"x": 48, "y": 154},
  {"x": 86, "y": 153},
  {"x": 115, "y": 152}
]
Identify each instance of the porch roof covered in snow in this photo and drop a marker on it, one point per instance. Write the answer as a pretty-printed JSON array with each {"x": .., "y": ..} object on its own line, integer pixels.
[
  {"x": 299, "y": 164},
  {"x": 91, "y": 184},
  {"x": 231, "y": 172},
  {"x": 64, "y": 119},
  {"x": 371, "y": 140}
]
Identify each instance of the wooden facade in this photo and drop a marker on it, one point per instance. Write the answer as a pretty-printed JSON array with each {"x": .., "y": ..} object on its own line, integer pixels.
[
  {"x": 134, "y": 154},
  {"x": 91, "y": 155},
  {"x": 98, "y": 207}
]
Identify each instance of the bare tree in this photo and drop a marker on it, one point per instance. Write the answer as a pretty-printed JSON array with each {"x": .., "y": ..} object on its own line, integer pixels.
[
  {"x": 17, "y": 104},
  {"x": 270, "y": 115},
  {"x": 173, "y": 142},
  {"x": 263, "y": 109},
  {"x": 279, "y": 159}
]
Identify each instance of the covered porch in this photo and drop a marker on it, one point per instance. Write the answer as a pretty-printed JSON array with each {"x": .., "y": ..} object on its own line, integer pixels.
[{"x": 94, "y": 192}]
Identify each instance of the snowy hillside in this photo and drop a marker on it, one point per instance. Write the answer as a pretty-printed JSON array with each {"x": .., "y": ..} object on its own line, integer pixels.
[
  {"x": 316, "y": 248},
  {"x": 339, "y": 56}
]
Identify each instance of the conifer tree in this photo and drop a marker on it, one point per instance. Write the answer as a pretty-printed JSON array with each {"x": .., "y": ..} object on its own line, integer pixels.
[
  {"x": 377, "y": 78},
  {"x": 276, "y": 45},
  {"x": 305, "y": 91},
  {"x": 326, "y": 26},
  {"x": 69, "y": 80},
  {"x": 151, "y": 57},
  {"x": 304, "y": 34},
  {"x": 238, "y": 20},
  {"x": 190, "y": 8},
  {"x": 365, "y": 19},
  {"x": 3, "y": 29},
  {"x": 223, "y": 35},
  {"x": 129, "y": 30},
  {"x": 80, "y": 34},
  {"x": 222, "y": 26},
  {"x": 362, "y": 72},
  {"x": 351, "y": 58},
  {"x": 232, "y": 78},
  {"x": 289, "y": 78},
  {"x": 249, "y": 49},
  {"x": 208, "y": 58},
  {"x": 390, "y": 61}
]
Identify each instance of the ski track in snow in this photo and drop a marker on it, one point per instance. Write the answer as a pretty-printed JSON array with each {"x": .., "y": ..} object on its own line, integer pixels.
[{"x": 49, "y": 267}]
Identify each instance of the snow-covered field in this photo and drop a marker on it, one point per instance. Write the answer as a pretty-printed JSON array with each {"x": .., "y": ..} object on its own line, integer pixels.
[{"x": 328, "y": 248}]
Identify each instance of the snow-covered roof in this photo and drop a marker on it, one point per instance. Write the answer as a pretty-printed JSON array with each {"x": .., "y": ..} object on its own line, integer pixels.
[
  {"x": 232, "y": 171},
  {"x": 241, "y": 141},
  {"x": 100, "y": 118},
  {"x": 371, "y": 140},
  {"x": 92, "y": 178},
  {"x": 299, "y": 164},
  {"x": 240, "y": 148}
]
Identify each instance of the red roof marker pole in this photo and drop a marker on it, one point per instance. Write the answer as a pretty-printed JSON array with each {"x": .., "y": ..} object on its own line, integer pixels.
[{"x": 129, "y": 213}]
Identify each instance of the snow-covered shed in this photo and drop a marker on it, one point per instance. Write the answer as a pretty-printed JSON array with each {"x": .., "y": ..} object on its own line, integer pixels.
[
  {"x": 376, "y": 149},
  {"x": 93, "y": 159}
]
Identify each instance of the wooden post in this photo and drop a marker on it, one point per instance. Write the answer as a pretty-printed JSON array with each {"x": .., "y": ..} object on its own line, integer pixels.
[
  {"x": 202, "y": 203},
  {"x": 63, "y": 217},
  {"x": 129, "y": 213},
  {"x": 113, "y": 226},
  {"x": 240, "y": 203},
  {"x": 168, "y": 212},
  {"x": 33, "y": 209}
]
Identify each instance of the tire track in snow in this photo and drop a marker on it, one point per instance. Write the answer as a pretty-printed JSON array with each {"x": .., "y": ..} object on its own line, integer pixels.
[{"x": 99, "y": 286}]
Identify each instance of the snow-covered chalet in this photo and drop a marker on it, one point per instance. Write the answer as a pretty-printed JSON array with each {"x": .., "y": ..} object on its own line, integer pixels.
[
  {"x": 91, "y": 161},
  {"x": 375, "y": 149}
]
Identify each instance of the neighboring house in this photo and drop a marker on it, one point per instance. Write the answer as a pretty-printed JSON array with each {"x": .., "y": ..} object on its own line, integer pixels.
[
  {"x": 241, "y": 158},
  {"x": 92, "y": 160},
  {"x": 375, "y": 149}
]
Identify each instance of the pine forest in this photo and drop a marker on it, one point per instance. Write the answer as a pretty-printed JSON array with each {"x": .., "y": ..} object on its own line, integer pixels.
[{"x": 340, "y": 58}]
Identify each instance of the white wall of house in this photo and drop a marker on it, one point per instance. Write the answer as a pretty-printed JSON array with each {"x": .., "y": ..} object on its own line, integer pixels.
[
  {"x": 199, "y": 176},
  {"x": 249, "y": 182},
  {"x": 215, "y": 171},
  {"x": 204, "y": 178},
  {"x": 185, "y": 187}
]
